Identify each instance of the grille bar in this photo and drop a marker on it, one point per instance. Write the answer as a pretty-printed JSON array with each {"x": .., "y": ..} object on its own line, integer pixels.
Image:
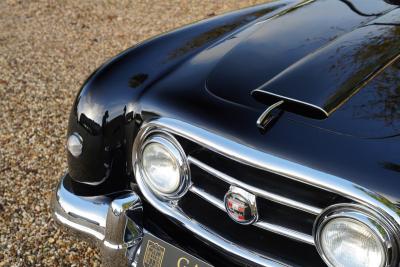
[
  {"x": 208, "y": 197},
  {"x": 261, "y": 193},
  {"x": 277, "y": 229}
]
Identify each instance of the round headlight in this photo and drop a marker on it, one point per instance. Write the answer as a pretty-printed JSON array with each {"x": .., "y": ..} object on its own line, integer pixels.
[
  {"x": 161, "y": 168},
  {"x": 349, "y": 237},
  {"x": 164, "y": 166},
  {"x": 347, "y": 242}
]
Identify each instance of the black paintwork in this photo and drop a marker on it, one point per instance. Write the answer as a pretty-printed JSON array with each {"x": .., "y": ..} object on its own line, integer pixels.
[
  {"x": 274, "y": 55},
  {"x": 321, "y": 82},
  {"x": 108, "y": 101},
  {"x": 336, "y": 54},
  {"x": 195, "y": 72}
]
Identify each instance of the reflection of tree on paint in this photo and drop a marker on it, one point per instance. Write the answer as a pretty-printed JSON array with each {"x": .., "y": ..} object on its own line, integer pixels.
[
  {"x": 138, "y": 79},
  {"x": 362, "y": 61},
  {"x": 369, "y": 57},
  {"x": 377, "y": 45},
  {"x": 219, "y": 31},
  {"x": 384, "y": 101},
  {"x": 391, "y": 166}
]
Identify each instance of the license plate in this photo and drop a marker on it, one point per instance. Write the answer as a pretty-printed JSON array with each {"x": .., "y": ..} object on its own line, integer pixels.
[{"x": 158, "y": 253}]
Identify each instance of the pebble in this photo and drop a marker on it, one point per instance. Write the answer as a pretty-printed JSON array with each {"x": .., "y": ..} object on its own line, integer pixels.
[{"x": 47, "y": 50}]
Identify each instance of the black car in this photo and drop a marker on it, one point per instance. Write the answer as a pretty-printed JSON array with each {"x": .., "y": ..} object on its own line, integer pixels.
[{"x": 269, "y": 136}]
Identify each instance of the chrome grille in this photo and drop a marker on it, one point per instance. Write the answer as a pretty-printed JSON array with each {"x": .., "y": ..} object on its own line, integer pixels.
[
  {"x": 259, "y": 193},
  {"x": 239, "y": 154}
]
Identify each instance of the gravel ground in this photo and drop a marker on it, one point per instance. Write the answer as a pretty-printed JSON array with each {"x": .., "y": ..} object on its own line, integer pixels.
[{"x": 47, "y": 49}]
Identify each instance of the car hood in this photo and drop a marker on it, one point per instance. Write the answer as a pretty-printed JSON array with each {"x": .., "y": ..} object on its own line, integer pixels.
[
  {"x": 204, "y": 74},
  {"x": 334, "y": 63}
]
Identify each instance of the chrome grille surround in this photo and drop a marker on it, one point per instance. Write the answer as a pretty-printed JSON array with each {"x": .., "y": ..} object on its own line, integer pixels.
[
  {"x": 257, "y": 159},
  {"x": 167, "y": 139}
]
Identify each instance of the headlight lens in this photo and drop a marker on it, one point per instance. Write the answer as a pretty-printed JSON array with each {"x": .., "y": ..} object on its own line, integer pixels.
[
  {"x": 354, "y": 235},
  {"x": 348, "y": 242},
  {"x": 162, "y": 165},
  {"x": 161, "y": 168}
]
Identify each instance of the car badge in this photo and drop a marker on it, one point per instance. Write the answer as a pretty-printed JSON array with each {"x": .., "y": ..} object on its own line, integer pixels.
[{"x": 241, "y": 205}]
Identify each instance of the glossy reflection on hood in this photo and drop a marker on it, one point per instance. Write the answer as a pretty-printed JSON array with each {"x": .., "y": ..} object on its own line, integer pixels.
[{"x": 278, "y": 43}]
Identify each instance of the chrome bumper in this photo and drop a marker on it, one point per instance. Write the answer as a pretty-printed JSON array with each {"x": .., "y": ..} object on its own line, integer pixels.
[{"x": 112, "y": 223}]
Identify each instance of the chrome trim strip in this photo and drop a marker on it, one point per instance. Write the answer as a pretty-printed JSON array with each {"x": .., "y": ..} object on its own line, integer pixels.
[
  {"x": 290, "y": 99},
  {"x": 261, "y": 193},
  {"x": 170, "y": 209},
  {"x": 208, "y": 197},
  {"x": 277, "y": 229},
  {"x": 280, "y": 166},
  {"x": 260, "y": 224},
  {"x": 266, "y": 116}
]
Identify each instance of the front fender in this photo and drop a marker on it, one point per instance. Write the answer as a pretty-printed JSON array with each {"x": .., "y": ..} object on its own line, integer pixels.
[{"x": 107, "y": 106}]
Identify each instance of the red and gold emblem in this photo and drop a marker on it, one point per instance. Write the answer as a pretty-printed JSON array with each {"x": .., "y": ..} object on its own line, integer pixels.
[{"x": 241, "y": 205}]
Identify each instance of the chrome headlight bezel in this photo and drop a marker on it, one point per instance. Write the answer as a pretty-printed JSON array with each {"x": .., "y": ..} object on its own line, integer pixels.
[
  {"x": 170, "y": 143},
  {"x": 74, "y": 144},
  {"x": 375, "y": 222}
]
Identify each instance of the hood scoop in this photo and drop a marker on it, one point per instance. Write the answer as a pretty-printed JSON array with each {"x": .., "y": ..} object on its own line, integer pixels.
[{"x": 321, "y": 82}]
